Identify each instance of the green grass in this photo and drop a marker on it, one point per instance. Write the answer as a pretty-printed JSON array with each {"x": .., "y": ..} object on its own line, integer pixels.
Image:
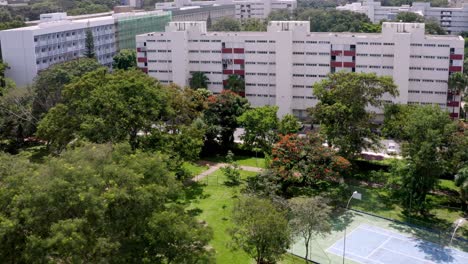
[
  {"x": 448, "y": 185},
  {"x": 241, "y": 160},
  {"x": 193, "y": 168}
]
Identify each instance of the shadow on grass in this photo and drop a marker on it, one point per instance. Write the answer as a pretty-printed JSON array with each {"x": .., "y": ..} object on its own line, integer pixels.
[
  {"x": 194, "y": 212},
  {"x": 194, "y": 190}
]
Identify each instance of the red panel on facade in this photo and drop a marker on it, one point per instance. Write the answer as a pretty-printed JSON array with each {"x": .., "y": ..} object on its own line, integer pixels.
[
  {"x": 349, "y": 53},
  {"x": 349, "y": 64},
  {"x": 456, "y": 57},
  {"x": 142, "y": 59},
  {"x": 227, "y": 71},
  {"x": 336, "y": 64},
  {"x": 336, "y": 52},
  {"x": 224, "y": 82},
  {"x": 455, "y": 115},
  {"x": 141, "y": 49},
  {"x": 226, "y": 50},
  {"x": 455, "y": 68},
  {"x": 239, "y": 72},
  {"x": 238, "y": 61},
  {"x": 238, "y": 50},
  {"x": 145, "y": 70},
  {"x": 453, "y": 104}
]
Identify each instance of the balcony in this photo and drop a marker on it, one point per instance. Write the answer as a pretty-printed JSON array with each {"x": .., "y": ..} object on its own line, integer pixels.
[
  {"x": 144, "y": 69},
  {"x": 453, "y": 104},
  {"x": 336, "y": 52},
  {"x": 228, "y": 71},
  {"x": 238, "y": 61},
  {"x": 336, "y": 64},
  {"x": 142, "y": 60},
  {"x": 456, "y": 56},
  {"x": 455, "y": 68},
  {"x": 226, "y": 50},
  {"x": 349, "y": 64},
  {"x": 141, "y": 49},
  {"x": 239, "y": 72},
  {"x": 349, "y": 53},
  {"x": 238, "y": 50},
  {"x": 224, "y": 83},
  {"x": 454, "y": 115}
]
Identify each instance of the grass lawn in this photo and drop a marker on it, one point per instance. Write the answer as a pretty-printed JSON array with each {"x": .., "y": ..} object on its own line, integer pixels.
[
  {"x": 215, "y": 207},
  {"x": 241, "y": 160},
  {"x": 193, "y": 168}
]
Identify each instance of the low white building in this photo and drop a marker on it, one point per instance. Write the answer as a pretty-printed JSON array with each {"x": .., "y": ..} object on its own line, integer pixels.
[
  {"x": 244, "y": 8},
  {"x": 453, "y": 19},
  {"x": 58, "y": 38},
  {"x": 281, "y": 65}
]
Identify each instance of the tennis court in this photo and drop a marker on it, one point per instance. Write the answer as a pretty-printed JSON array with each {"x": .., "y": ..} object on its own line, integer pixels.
[{"x": 372, "y": 244}]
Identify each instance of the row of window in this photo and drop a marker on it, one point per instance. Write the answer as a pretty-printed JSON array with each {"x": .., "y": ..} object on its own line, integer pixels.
[
  {"x": 309, "y": 75},
  {"x": 426, "y": 103},
  {"x": 427, "y": 80},
  {"x": 204, "y": 51},
  {"x": 376, "y": 43},
  {"x": 374, "y": 55},
  {"x": 260, "y": 95},
  {"x": 260, "y": 52},
  {"x": 311, "y": 53},
  {"x": 204, "y": 62},
  {"x": 161, "y": 71},
  {"x": 425, "y": 92},
  {"x": 428, "y": 69},
  {"x": 302, "y": 86},
  {"x": 430, "y": 45},
  {"x": 204, "y": 40},
  {"x": 374, "y": 67},
  {"x": 261, "y": 84},
  {"x": 429, "y": 57},
  {"x": 260, "y": 41},
  {"x": 161, "y": 61},
  {"x": 260, "y": 62},
  {"x": 160, "y": 51},
  {"x": 260, "y": 73},
  {"x": 310, "y": 42},
  {"x": 304, "y": 97}
]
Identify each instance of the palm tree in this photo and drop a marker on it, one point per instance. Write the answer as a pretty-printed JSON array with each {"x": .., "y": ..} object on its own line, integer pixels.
[
  {"x": 461, "y": 180},
  {"x": 236, "y": 83},
  {"x": 199, "y": 80},
  {"x": 457, "y": 83}
]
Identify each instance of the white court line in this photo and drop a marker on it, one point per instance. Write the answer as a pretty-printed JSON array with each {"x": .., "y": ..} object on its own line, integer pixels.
[
  {"x": 343, "y": 238},
  {"x": 400, "y": 253},
  {"x": 380, "y": 246},
  {"x": 390, "y": 235}
]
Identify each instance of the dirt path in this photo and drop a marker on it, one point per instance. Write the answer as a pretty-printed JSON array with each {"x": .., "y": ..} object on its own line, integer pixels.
[{"x": 216, "y": 166}]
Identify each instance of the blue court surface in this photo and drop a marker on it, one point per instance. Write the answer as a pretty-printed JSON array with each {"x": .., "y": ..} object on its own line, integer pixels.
[{"x": 371, "y": 244}]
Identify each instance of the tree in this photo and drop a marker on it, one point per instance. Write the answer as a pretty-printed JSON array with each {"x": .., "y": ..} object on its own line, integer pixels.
[
  {"x": 395, "y": 116},
  {"x": 125, "y": 60},
  {"x": 89, "y": 45},
  {"x": 409, "y": 17},
  {"x": 461, "y": 180},
  {"x": 231, "y": 171},
  {"x": 280, "y": 15},
  {"x": 260, "y": 125},
  {"x": 5, "y": 83},
  {"x": 334, "y": 20},
  {"x": 341, "y": 110},
  {"x": 260, "y": 229},
  {"x": 221, "y": 118},
  {"x": 254, "y": 24},
  {"x": 226, "y": 24},
  {"x": 199, "y": 80},
  {"x": 304, "y": 160},
  {"x": 236, "y": 83},
  {"x": 49, "y": 83},
  {"x": 457, "y": 84},
  {"x": 209, "y": 22},
  {"x": 288, "y": 125},
  {"x": 310, "y": 217},
  {"x": 428, "y": 129},
  {"x": 111, "y": 107},
  {"x": 97, "y": 204},
  {"x": 433, "y": 28}
]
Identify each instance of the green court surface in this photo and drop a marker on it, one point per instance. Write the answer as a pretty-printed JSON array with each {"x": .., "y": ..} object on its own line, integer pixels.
[{"x": 430, "y": 247}]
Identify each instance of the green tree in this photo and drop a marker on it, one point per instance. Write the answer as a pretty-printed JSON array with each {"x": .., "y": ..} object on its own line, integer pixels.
[
  {"x": 395, "y": 116},
  {"x": 457, "y": 84},
  {"x": 112, "y": 107},
  {"x": 236, "y": 83},
  {"x": 89, "y": 45},
  {"x": 254, "y": 24},
  {"x": 221, "y": 118},
  {"x": 433, "y": 27},
  {"x": 5, "y": 83},
  {"x": 309, "y": 217},
  {"x": 260, "y": 229},
  {"x": 260, "y": 125},
  {"x": 231, "y": 171},
  {"x": 226, "y": 24},
  {"x": 409, "y": 17},
  {"x": 428, "y": 129},
  {"x": 341, "y": 110},
  {"x": 199, "y": 80},
  {"x": 289, "y": 124},
  {"x": 49, "y": 83},
  {"x": 461, "y": 180},
  {"x": 97, "y": 204},
  {"x": 335, "y": 20},
  {"x": 125, "y": 60}
]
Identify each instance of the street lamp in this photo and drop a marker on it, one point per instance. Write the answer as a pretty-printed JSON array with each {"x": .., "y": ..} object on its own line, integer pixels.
[
  {"x": 355, "y": 195},
  {"x": 458, "y": 223}
]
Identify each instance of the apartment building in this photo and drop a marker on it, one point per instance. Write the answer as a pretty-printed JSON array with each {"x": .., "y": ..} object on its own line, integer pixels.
[
  {"x": 202, "y": 13},
  {"x": 58, "y": 38},
  {"x": 243, "y": 8},
  {"x": 280, "y": 66},
  {"x": 453, "y": 19}
]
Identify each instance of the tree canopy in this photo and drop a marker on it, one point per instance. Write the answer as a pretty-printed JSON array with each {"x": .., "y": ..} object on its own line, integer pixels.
[
  {"x": 260, "y": 125},
  {"x": 125, "y": 60},
  {"x": 343, "y": 109}
]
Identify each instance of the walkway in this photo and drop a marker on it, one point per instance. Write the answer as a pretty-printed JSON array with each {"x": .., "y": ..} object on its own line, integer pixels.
[{"x": 215, "y": 166}]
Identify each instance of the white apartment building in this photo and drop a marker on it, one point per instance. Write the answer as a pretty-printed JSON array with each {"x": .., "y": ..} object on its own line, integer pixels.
[
  {"x": 453, "y": 19},
  {"x": 244, "y": 8},
  {"x": 281, "y": 65},
  {"x": 58, "y": 38}
]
